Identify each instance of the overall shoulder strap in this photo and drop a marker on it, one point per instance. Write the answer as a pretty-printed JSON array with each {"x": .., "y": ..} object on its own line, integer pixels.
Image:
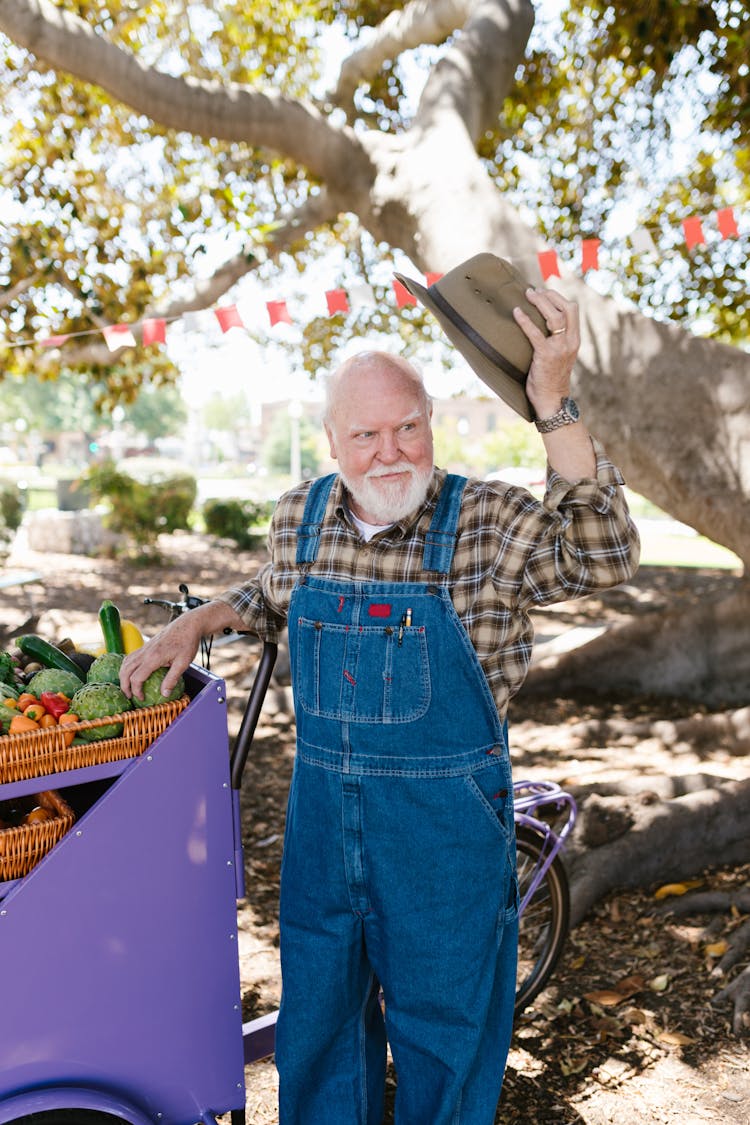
[
  {"x": 308, "y": 532},
  {"x": 440, "y": 540}
]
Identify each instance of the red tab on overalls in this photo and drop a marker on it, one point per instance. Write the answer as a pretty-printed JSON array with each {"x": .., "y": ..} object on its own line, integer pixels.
[{"x": 379, "y": 609}]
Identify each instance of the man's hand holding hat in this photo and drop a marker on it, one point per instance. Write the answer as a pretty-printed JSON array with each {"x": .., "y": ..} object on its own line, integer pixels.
[{"x": 554, "y": 354}]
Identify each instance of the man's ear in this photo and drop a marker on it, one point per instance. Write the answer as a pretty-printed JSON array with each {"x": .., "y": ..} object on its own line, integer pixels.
[{"x": 331, "y": 442}]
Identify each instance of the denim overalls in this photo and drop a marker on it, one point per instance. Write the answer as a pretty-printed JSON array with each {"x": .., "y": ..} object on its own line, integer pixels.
[{"x": 399, "y": 857}]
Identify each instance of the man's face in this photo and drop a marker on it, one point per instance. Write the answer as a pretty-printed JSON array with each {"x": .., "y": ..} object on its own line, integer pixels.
[{"x": 381, "y": 437}]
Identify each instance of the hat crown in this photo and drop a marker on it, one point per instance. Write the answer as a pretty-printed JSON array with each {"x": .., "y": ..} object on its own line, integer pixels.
[{"x": 474, "y": 305}]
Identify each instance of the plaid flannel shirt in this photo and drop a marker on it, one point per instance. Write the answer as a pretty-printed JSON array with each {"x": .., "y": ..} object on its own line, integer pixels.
[{"x": 513, "y": 553}]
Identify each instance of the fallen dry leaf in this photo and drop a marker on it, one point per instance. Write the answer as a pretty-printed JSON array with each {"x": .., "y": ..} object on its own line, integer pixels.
[
  {"x": 677, "y": 888},
  {"x": 674, "y": 1039},
  {"x": 607, "y": 997}
]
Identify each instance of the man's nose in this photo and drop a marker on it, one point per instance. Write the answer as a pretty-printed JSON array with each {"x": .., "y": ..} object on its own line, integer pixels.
[{"x": 389, "y": 450}]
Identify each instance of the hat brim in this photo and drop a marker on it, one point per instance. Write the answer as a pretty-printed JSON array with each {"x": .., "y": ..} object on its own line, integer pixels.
[{"x": 507, "y": 387}]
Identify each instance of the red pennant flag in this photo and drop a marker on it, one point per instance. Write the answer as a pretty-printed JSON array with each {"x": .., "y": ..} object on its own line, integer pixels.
[
  {"x": 431, "y": 278},
  {"x": 228, "y": 317},
  {"x": 590, "y": 254},
  {"x": 727, "y": 223},
  {"x": 693, "y": 229},
  {"x": 54, "y": 341},
  {"x": 337, "y": 301},
  {"x": 118, "y": 336},
  {"x": 403, "y": 296},
  {"x": 278, "y": 312},
  {"x": 154, "y": 330},
  {"x": 548, "y": 264}
]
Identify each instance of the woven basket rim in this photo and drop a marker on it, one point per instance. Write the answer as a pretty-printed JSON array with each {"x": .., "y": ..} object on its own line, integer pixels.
[{"x": 136, "y": 716}]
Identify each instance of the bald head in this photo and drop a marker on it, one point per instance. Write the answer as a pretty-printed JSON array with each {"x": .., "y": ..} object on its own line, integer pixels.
[{"x": 354, "y": 373}]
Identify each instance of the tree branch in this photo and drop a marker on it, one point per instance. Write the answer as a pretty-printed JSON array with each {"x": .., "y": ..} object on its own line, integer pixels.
[
  {"x": 292, "y": 127},
  {"x": 420, "y": 22},
  {"x": 477, "y": 72},
  {"x": 9, "y": 294}
]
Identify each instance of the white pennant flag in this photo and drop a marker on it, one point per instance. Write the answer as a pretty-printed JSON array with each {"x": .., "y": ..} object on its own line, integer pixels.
[{"x": 118, "y": 336}]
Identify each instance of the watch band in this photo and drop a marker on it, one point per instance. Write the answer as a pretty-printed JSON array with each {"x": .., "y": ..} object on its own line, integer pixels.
[{"x": 565, "y": 416}]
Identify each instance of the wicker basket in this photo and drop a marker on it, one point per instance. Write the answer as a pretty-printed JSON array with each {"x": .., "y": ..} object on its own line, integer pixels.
[
  {"x": 52, "y": 750},
  {"x": 22, "y": 847}
]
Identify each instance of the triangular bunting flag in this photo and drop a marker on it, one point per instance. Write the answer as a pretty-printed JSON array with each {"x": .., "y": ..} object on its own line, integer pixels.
[
  {"x": 548, "y": 264},
  {"x": 693, "y": 231},
  {"x": 118, "y": 336},
  {"x": 228, "y": 317},
  {"x": 431, "y": 278},
  {"x": 336, "y": 301},
  {"x": 727, "y": 223},
  {"x": 54, "y": 341},
  {"x": 154, "y": 330},
  {"x": 362, "y": 294},
  {"x": 642, "y": 241},
  {"x": 590, "y": 254},
  {"x": 278, "y": 312}
]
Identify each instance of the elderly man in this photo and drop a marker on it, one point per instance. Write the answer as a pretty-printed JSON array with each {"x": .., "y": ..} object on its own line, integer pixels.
[{"x": 406, "y": 592}]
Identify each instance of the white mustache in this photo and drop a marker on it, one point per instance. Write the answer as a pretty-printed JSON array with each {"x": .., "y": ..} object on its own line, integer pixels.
[{"x": 386, "y": 470}]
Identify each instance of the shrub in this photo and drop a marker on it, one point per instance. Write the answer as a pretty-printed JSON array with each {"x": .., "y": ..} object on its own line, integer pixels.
[
  {"x": 11, "y": 510},
  {"x": 143, "y": 509},
  {"x": 240, "y": 520}
]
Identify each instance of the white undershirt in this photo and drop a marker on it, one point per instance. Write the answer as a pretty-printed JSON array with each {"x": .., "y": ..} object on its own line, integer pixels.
[{"x": 367, "y": 530}]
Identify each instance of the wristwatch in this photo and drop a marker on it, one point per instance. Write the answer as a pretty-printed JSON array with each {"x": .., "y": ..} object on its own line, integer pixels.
[{"x": 565, "y": 416}]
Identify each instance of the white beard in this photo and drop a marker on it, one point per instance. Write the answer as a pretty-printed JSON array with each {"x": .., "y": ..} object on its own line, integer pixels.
[{"x": 390, "y": 501}]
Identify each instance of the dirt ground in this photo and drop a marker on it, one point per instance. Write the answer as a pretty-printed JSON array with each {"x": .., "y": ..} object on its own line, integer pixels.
[{"x": 626, "y": 1031}]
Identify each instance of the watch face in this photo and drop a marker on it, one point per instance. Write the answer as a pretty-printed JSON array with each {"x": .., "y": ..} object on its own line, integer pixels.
[{"x": 571, "y": 406}]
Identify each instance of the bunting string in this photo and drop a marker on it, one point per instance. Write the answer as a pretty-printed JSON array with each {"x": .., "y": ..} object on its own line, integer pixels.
[{"x": 358, "y": 295}]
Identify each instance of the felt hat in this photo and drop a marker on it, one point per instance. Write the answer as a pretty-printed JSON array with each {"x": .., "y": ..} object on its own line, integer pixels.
[{"x": 474, "y": 304}]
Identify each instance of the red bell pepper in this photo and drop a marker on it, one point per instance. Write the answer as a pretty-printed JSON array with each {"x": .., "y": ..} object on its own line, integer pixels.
[{"x": 55, "y": 703}]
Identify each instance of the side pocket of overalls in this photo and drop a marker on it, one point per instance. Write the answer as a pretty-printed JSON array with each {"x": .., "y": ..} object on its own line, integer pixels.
[{"x": 492, "y": 786}]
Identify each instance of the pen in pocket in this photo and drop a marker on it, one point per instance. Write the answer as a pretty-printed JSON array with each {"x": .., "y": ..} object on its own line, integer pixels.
[{"x": 405, "y": 624}]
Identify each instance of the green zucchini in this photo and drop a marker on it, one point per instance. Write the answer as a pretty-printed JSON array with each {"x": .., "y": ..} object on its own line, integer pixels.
[
  {"x": 49, "y": 655},
  {"x": 8, "y": 691},
  {"x": 109, "y": 619}
]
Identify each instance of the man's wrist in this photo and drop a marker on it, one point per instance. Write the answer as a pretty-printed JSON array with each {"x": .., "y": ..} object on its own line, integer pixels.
[{"x": 566, "y": 413}]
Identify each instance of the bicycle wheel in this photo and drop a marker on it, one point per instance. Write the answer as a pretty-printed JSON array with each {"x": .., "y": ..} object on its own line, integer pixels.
[{"x": 543, "y": 926}]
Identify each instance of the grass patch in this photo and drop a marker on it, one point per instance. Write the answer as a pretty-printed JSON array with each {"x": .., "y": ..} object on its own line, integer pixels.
[{"x": 666, "y": 544}]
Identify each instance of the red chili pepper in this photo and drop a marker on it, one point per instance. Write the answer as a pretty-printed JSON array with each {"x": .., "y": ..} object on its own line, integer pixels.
[{"x": 55, "y": 702}]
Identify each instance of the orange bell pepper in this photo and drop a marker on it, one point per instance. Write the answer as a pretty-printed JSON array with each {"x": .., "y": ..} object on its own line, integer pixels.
[
  {"x": 34, "y": 711},
  {"x": 65, "y": 720},
  {"x": 25, "y": 700},
  {"x": 21, "y": 723}
]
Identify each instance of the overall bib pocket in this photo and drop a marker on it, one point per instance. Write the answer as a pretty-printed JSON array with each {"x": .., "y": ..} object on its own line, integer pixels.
[{"x": 362, "y": 674}]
